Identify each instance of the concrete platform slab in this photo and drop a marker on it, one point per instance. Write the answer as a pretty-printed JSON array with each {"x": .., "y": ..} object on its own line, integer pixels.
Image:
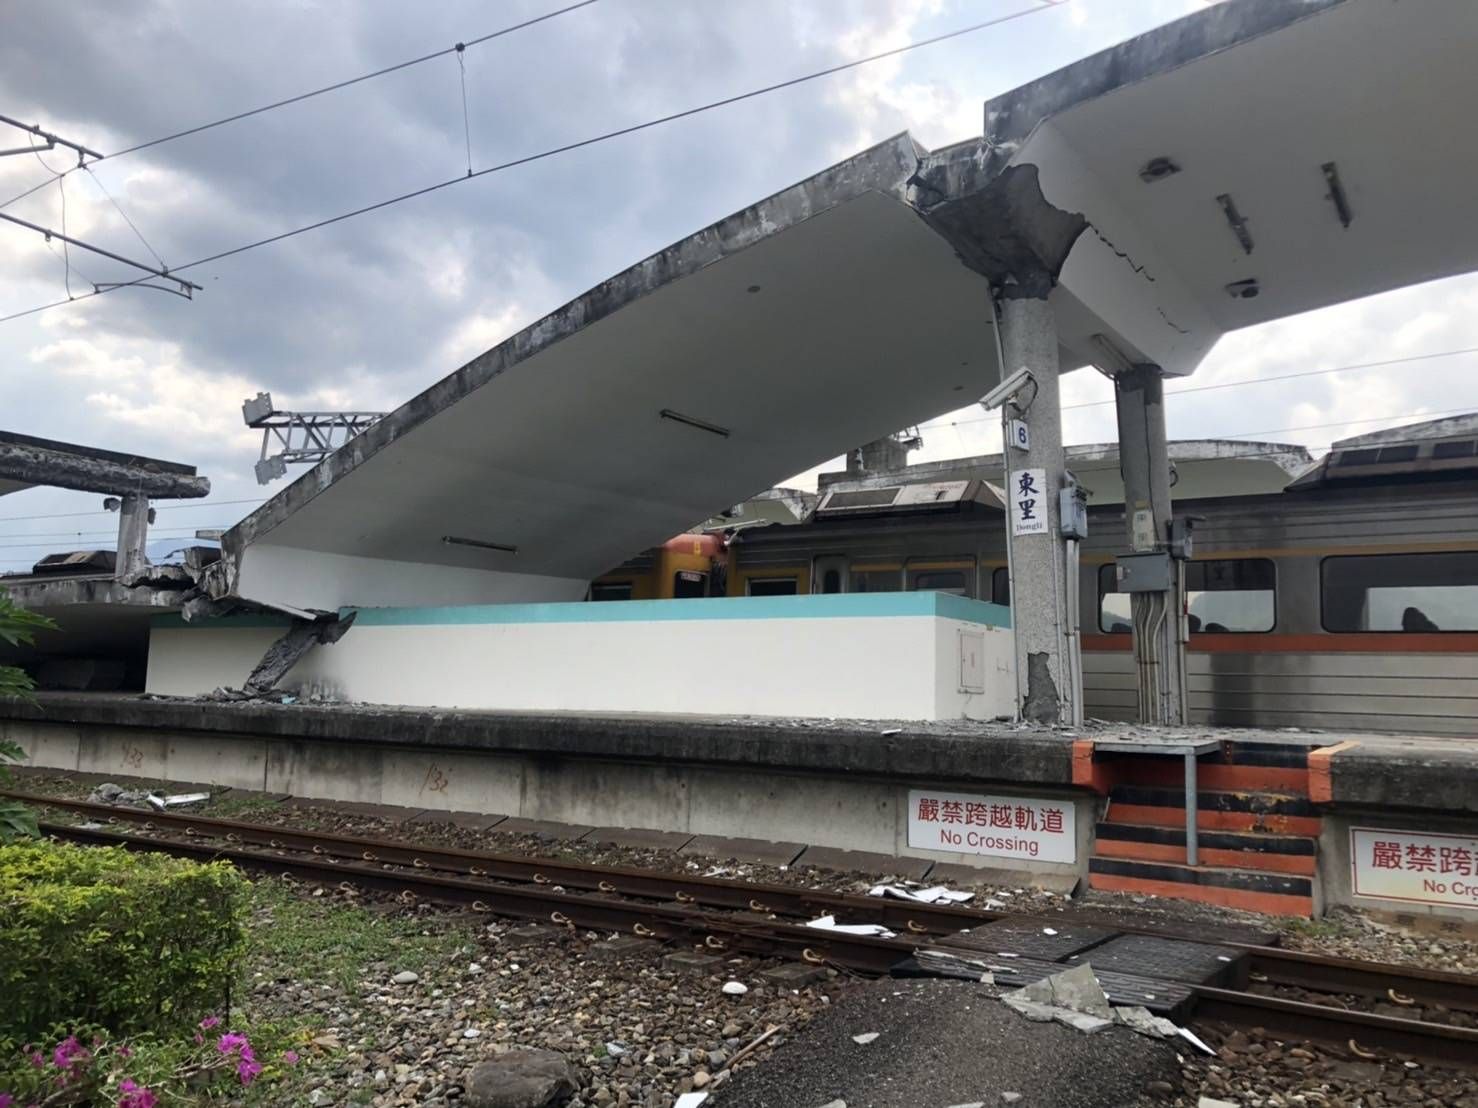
[
  {"x": 864, "y": 861},
  {"x": 1167, "y": 959},
  {"x": 542, "y": 828},
  {"x": 470, "y": 821},
  {"x": 755, "y": 851},
  {"x": 641, "y": 838},
  {"x": 1063, "y": 884}
]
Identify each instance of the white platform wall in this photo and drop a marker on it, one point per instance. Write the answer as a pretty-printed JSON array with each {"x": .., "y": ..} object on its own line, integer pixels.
[{"x": 917, "y": 656}]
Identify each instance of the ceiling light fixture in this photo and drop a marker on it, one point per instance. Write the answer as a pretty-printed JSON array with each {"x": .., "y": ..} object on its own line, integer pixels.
[
  {"x": 1236, "y": 221},
  {"x": 700, "y": 424},
  {"x": 458, "y": 540},
  {"x": 1336, "y": 193}
]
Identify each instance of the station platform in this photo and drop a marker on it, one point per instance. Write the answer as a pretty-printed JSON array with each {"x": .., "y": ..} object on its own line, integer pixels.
[{"x": 1281, "y": 817}]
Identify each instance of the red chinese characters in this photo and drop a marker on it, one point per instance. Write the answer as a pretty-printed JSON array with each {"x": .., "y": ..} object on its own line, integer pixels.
[
  {"x": 928, "y": 810},
  {"x": 1385, "y": 855}
]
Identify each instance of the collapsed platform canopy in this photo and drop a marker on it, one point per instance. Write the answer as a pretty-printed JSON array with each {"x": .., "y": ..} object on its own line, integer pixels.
[{"x": 1146, "y": 186}]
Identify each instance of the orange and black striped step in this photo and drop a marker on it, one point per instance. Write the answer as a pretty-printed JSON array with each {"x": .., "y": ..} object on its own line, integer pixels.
[
  {"x": 1271, "y": 893},
  {"x": 1294, "y": 854},
  {"x": 1217, "y": 810}
]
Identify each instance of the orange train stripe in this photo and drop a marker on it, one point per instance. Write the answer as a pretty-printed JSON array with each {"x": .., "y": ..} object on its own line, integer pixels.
[
  {"x": 1321, "y": 786},
  {"x": 1373, "y": 642},
  {"x": 1158, "y": 816},
  {"x": 1300, "y": 865},
  {"x": 1273, "y": 904}
]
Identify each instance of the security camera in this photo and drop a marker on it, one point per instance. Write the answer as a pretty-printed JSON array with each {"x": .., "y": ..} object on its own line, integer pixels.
[{"x": 1008, "y": 389}]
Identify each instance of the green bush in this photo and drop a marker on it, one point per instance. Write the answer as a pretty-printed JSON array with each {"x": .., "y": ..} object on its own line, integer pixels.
[{"x": 129, "y": 942}]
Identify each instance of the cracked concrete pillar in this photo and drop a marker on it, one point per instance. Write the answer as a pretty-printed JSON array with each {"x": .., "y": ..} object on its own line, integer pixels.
[
  {"x": 133, "y": 537},
  {"x": 1038, "y": 596},
  {"x": 1158, "y": 619}
]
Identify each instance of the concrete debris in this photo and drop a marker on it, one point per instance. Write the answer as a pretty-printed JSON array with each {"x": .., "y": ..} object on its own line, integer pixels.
[
  {"x": 689, "y": 1100},
  {"x": 1075, "y": 999},
  {"x": 971, "y": 1104},
  {"x": 871, "y": 930},
  {"x": 865, "y": 1038},
  {"x": 406, "y": 977},
  {"x": 1208, "y": 1102},
  {"x": 160, "y": 802},
  {"x": 938, "y": 894},
  {"x": 109, "y": 793},
  {"x": 735, "y": 988}
]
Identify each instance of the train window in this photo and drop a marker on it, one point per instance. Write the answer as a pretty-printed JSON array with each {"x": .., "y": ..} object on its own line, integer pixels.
[
  {"x": 1000, "y": 586},
  {"x": 1400, "y": 592},
  {"x": 689, "y": 583},
  {"x": 939, "y": 580},
  {"x": 832, "y": 581},
  {"x": 1231, "y": 595},
  {"x": 1113, "y": 605},
  {"x": 876, "y": 580},
  {"x": 610, "y": 590},
  {"x": 1223, "y": 596},
  {"x": 771, "y": 586}
]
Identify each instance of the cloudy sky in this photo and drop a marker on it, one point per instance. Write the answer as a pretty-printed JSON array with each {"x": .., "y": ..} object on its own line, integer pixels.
[{"x": 368, "y": 312}]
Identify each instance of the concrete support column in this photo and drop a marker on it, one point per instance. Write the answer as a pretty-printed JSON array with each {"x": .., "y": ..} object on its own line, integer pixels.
[
  {"x": 1158, "y": 618},
  {"x": 1028, "y": 334},
  {"x": 133, "y": 537}
]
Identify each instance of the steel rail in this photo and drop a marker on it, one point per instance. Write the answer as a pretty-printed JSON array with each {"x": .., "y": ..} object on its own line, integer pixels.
[
  {"x": 1359, "y": 1031},
  {"x": 1298, "y": 969},
  {"x": 734, "y": 935},
  {"x": 712, "y": 892},
  {"x": 723, "y": 934}
]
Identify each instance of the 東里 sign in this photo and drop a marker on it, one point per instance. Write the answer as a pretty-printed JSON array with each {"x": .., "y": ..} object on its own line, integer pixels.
[
  {"x": 1415, "y": 866},
  {"x": 1028, "y": 496},
  {"x": 1008, "y": 826}
]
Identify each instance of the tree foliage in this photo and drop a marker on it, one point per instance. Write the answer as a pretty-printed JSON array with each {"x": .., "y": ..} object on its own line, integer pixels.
[{"x": 17, "y": 627}]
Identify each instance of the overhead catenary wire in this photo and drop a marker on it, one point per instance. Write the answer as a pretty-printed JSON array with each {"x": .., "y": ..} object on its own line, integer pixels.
[
  {"x": 197, "y": 505},
  {"x": 132, "y": 225},
  {"x": 606, "y": 136},
  {"x": 300, "y": 97}
]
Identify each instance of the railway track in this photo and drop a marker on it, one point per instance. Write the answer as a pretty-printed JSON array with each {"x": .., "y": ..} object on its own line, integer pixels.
[{"x": 734, "y": 917}]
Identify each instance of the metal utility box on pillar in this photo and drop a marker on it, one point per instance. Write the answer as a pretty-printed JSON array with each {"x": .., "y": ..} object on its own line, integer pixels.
[{"x": 1153, "y": 574}]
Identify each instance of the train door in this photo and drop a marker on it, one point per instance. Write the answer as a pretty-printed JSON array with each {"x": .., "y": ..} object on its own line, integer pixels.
[{"x": 829, "y": 573}]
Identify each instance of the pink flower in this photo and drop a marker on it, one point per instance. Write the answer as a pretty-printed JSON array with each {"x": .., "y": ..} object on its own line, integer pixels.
[
  {"x": 208, "y": 1022},
  {"x": 135, "y": 1095},
  {"x": 247, "y": 1069},
  {"x": 125, "y": 1052},
  {"x": 6, "y": 1100},
  {"x": 68, "y": 1051},
  {"x": 232, "y": 1041},
  {"x": 291, "y": 1058},
  {"x": 36, "y": 1060}
]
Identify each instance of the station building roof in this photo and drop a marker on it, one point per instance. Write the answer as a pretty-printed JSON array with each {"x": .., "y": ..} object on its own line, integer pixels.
[{"x": 1251, "y": 161}]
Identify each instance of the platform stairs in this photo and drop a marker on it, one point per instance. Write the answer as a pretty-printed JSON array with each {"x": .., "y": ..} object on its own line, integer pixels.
[{"x": 1257, "y": 829}]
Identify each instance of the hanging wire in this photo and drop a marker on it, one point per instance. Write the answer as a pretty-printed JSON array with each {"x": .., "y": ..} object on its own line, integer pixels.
[
  {"x": 466, "y": 124},
  {"x": 98, "y": 181}
]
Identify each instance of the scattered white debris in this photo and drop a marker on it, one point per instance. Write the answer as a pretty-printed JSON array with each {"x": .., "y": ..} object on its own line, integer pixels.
[
  {"x": 1010, "y": 1098},
  {"x": 938, "y": 894},
  {"x": 615, "y": 1049},
  {"x": 893, "y": 731},
  {"x": 476, "y": 968},
  {"x": 1207, "y": 1102},
  {"x": 1049, "y": 930},
  {"x": 405, "y": 977},
  {"x": 865, "y": 1038},
  {"x": 735, "y": 988},
  {"x": 690, "y": 1100},
  {"x": 872, "y": 930},
  {"x": 471, "y": 1033},
  {"x": 160, "y": 803},
  {"x": 1076, "y": 999}
]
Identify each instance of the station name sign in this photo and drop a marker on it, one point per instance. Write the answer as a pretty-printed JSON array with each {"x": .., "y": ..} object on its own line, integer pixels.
[
  {"x": 1007, "y": 826},
  {"x": 1415, "y": 866}
]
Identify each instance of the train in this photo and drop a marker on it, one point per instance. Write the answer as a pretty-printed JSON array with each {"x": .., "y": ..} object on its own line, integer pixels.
[{"x": 1346, "y": 600}]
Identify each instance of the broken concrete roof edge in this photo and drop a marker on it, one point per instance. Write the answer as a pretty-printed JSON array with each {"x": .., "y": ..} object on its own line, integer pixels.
[
  {"x": 97, "y": 453},
  {"x": 1011, "y": 117},
  {"x": 886, "y": 167}
]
